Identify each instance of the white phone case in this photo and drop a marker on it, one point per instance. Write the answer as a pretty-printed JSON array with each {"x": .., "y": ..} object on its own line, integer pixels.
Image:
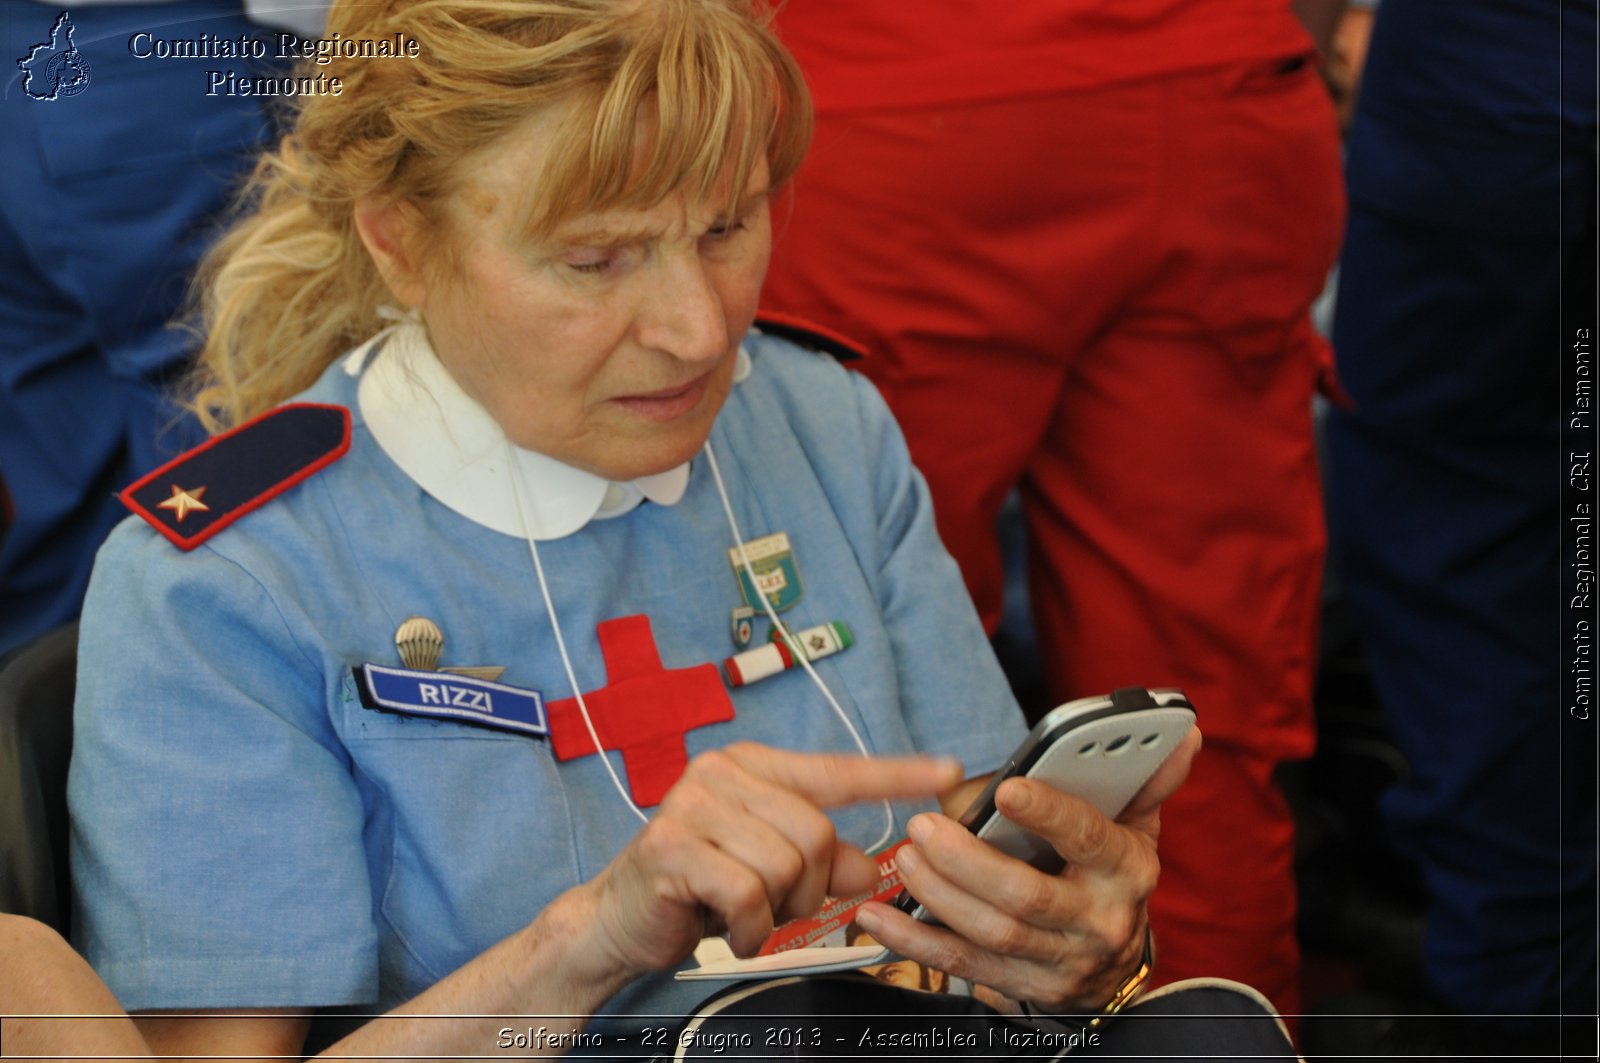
[{"x": 1102, "y": 749}]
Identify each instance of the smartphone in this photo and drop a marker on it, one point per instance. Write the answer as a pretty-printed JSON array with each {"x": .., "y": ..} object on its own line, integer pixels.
[{"x": 1102, "y": 749}]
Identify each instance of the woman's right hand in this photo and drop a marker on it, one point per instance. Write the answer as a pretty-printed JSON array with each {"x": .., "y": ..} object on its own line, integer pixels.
[{"x": 740, "y": 845}]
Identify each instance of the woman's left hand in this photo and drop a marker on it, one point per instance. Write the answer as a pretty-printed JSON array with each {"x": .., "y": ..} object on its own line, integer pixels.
[{"x": 1065, "y": 942}]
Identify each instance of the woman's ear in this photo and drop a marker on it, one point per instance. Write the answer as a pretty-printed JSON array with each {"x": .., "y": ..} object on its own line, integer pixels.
[{"x": 389, "y": 230}]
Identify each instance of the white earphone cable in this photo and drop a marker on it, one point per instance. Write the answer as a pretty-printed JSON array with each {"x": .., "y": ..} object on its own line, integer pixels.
[
  {"x": 561, "y": 643},
  {"x": 795, "y": 648}
]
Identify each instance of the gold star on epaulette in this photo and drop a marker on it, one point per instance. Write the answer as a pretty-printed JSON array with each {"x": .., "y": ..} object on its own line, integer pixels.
[{"x": 182, "y": 502}]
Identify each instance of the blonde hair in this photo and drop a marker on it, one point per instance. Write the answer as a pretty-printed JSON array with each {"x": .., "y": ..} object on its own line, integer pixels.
[{"x": 291, "y": 286}]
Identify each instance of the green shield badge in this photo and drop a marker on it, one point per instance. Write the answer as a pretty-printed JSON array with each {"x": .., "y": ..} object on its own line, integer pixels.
[{"x": 777, "y": 574}]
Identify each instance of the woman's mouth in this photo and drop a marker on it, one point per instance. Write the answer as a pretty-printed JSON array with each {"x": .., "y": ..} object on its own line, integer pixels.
[{"x": 668, "y": 403}]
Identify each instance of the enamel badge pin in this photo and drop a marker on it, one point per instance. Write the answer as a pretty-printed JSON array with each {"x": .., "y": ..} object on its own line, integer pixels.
[
  {"x": 420, "y": 643},
  {"x": 776, "y": 571},
  {"x": 743, "y": 625}
]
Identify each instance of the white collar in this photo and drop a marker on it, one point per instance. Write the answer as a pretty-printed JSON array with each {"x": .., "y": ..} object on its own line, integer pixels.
[{"x": 453, "y": 449}]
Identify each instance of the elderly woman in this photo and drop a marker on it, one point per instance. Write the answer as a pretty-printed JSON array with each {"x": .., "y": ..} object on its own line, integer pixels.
[{"x": 403, "y": 696}]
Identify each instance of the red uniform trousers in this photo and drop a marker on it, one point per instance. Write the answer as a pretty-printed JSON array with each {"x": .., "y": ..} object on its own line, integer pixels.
[{"x": 1103, "y": 297}]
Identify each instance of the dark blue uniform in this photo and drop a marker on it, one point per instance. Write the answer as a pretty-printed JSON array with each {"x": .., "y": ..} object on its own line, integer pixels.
[
  {"x": 115, "y": 170},
  {"x": 1468, "y": 273}
]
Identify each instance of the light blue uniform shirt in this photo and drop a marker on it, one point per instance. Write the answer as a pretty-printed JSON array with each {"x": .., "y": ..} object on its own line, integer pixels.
[{"x": 247, "y": 834}]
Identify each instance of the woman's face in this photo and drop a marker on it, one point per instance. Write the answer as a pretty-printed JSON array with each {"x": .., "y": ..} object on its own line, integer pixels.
[{"x": 612, "y": 345}]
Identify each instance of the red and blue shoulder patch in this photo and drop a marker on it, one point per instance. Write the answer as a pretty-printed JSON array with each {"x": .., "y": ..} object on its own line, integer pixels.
[
  {"x": 809, "y": 334},
  {"x": 197, "y": 494}
]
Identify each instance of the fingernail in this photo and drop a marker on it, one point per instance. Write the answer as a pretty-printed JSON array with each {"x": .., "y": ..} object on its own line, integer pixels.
[
  {"x": 907, "y": 861},
  {"x": 869, "y": 920},
  {"x": 920, "y": 827}
]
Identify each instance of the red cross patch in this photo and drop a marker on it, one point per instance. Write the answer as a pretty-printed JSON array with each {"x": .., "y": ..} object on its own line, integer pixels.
[{"x": 644, "y": 710}]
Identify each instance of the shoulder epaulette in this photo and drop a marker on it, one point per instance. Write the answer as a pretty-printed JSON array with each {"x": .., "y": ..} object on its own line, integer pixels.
[
  {"x": 809, "y": 334},
  {"x": 197, "y": 494}
]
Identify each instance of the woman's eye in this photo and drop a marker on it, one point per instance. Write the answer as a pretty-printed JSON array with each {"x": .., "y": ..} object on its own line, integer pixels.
[
  {"x": 724, "y": 229},
  {"x": 590, "y": 261}
]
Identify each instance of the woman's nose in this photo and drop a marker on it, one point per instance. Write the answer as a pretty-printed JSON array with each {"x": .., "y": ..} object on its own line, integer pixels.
[{"x": 684, "y": 315}]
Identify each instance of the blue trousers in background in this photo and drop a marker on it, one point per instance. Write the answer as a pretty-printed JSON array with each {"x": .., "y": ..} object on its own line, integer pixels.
[
  {"x": 109, "y": 194},
  {"x": 1468, "y": 271}
]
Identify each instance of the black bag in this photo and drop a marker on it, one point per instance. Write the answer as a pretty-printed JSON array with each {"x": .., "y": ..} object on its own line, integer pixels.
[{"x": 854, "y": 1017}]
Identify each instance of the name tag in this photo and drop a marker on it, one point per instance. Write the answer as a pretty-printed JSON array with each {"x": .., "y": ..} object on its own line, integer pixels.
[{"x": 443, "y": 696}]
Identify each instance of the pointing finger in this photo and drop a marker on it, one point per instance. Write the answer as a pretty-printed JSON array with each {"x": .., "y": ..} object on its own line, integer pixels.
[{"x": 830, "y": 779}]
